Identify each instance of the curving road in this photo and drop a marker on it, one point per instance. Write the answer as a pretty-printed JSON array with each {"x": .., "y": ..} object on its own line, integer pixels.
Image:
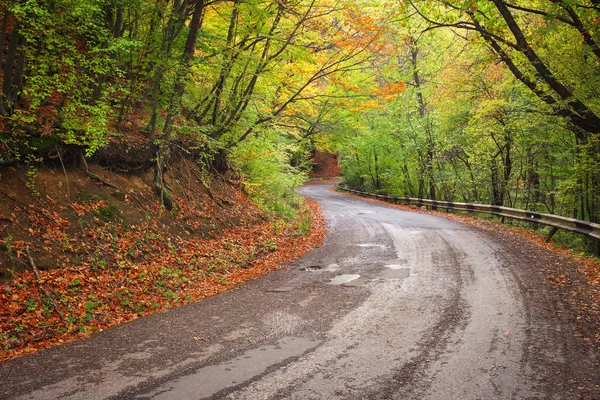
[{"x": 395, "y": 305}]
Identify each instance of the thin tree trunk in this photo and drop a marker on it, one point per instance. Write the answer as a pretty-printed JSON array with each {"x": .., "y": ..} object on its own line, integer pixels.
[
  {"x": 225, "y": 70},
  {"x": 175, "y": 104},
  {"x": 7, "y": 87},
  {"x": 19, "y": 72}
]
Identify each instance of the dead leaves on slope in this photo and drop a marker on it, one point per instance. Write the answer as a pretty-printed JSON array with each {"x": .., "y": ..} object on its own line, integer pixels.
[{"x": 136, "y": 273}]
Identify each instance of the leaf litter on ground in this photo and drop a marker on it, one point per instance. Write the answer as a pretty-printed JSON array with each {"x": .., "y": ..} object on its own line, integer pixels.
[{"x": 123, "y": 273}]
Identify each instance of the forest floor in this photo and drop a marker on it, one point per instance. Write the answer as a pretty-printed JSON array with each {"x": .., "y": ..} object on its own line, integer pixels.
[
  {"x": 577, "y": 284},
  {"x": 81, "y": 251}
]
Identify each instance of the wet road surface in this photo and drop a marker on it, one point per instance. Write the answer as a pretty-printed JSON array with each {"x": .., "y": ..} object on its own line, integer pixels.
[{"x": 394, "y": 305}]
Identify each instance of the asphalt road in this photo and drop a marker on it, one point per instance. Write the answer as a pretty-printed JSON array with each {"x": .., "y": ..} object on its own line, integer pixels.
[{"x": 395, "y": 305}]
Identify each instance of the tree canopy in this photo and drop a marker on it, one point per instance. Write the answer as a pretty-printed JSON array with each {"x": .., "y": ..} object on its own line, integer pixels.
[{"x": 486, "y": 101}]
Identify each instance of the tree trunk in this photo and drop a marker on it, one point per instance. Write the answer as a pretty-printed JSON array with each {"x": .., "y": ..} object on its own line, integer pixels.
[
  {"x": 225, "y": 70},
  {"x": 175, "y": 105},
  {"x": 7, "y": 100},
  {"x": 580, "y": 115}
]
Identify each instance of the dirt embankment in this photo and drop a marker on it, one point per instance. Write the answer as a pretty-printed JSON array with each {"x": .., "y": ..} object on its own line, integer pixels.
[
  {"x": 325, "y": 166},
  {"x": 81, "y": 251}
]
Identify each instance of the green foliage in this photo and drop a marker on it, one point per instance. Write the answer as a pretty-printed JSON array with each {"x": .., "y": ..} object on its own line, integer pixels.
[
  {"x": 65, "y": 55},
  {"x": 98, "y": 71},
  {"x": 265, "y": 83},
  {"x": 303, "y": 226},
  {"x": 90, "y": 306},
  {"x": 31, "y": 305},
  {"x": 108, "y": 212},
  {"x": 269, "y": 177},
  {"x": 468, "y": 128}
]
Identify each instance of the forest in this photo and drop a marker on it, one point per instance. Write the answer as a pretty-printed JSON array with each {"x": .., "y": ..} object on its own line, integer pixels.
[
  {"x": 470, "y": 100},
  {"x": 150, "y": 150}
]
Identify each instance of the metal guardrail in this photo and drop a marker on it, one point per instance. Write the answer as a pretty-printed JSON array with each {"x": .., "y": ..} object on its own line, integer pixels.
[{"x": 557, "y": 222}]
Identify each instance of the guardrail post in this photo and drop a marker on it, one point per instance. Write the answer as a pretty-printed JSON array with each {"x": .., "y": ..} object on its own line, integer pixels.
[
  {"x": 586, "y": 228},
  {"x": 549, "y": 237}
]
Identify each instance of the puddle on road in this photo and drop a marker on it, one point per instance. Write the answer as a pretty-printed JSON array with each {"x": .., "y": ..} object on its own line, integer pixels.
[
  {"x": 381, "y": 246},
  {"x": 395, "y": 273},
  {"x": 357, "y": 282},
  {"x": 283, "y": 289},
  {"x": 364, "y": 211},
  {"x": 395, "y": 266},
  {"x": 209, "y": 380},
  {"x": 341, "y": 279},
  {"x": 311, "y": 268},
  {"x": 332, "y": 268},
  {"x": 401, "y": 263}
]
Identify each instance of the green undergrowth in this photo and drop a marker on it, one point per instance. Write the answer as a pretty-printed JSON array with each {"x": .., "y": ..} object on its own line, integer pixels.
[{"x": 269, "y": 176}]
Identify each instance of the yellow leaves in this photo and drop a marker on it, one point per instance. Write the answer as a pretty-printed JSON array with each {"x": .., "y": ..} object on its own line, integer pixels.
[
  {"x": 298, "y": 68},
  {"x": 368, "y": 104}
]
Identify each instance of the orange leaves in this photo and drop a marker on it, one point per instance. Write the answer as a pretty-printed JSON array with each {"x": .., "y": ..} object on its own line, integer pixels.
[
  {"x": 80, "y": 209},
  {"x": 385, "y": 93},
  {"x": 389, "y": 91},
  {"x": 362, "y": 23},
  {"x": 345, "y": 84},
  {"x": 370, "y": 97},
  {"x": 127, "y": 274},
  {"x": 98, "y": 268}
]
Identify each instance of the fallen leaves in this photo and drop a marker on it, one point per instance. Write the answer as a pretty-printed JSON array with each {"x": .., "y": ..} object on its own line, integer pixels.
[{"x": 122, "y": 273}]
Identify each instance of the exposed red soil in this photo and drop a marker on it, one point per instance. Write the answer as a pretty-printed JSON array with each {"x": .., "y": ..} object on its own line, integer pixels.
[{"x": 325, "y": 165}]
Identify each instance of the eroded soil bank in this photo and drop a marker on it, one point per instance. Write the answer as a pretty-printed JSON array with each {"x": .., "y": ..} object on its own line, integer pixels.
[{"x": 81, "y": 251}]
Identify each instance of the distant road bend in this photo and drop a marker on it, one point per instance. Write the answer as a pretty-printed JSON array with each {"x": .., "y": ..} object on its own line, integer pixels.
[{"x": 395, "y": 305}]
